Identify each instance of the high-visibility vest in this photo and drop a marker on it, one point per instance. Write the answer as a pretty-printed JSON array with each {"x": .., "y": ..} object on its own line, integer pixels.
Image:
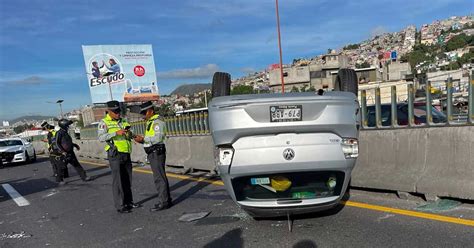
[
  {"x": 122, "y": 143},
  {"x": 150, "y": 130},
  {"x": 53, "y": 137}
]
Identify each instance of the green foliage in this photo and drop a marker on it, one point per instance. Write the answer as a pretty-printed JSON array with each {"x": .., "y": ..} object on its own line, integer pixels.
[
  {"x": 303, "y": 88},
  {"x": 458, "y": 41},
  {"x": 80, "y": 122},
  {"x": 22, "y": 128},
  {"x": 165, "y": 110},
  {"x": 420, "y": 53},
  {"x": 242, "y": 90},
  {"x": 351, "y": 47},
  {"x": 365, "y": 64},
  {"x": 295, "y": 89}
]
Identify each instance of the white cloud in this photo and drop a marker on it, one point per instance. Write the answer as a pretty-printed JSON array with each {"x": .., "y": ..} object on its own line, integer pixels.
[
  {"x": 191, "y": 73},
  {"x": 30, "y": 80},
  {"x": 40, "y": 78}
]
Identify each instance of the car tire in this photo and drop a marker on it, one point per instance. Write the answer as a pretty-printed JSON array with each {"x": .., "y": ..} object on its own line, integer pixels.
[
  {"x": 221, "y": 84},
  {"x": 27, "y": 157},
  {"x": 346, "y": 80},
  {"x": 34, "y": 156}
]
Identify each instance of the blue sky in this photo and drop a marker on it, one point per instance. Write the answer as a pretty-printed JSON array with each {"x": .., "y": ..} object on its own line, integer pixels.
[{"x": 40, "y": 40}]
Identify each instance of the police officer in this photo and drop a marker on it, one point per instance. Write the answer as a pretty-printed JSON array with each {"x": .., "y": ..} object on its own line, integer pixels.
[
  {"x": 114, "y": 130},
  {"x": 154, "y": 146},
  {"x": 65, "y": 148},
  {"x": 50, "y": 139}
]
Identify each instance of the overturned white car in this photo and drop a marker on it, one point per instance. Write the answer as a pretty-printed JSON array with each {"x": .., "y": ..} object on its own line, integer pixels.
[{"x": 281, "y": 154}]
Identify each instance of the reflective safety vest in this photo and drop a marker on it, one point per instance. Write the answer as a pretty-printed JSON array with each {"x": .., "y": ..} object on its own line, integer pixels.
[
  {"x": 122, "y": 143},
  {"x": 150, "y": 130},
  {"x": 53, "y": 137}
]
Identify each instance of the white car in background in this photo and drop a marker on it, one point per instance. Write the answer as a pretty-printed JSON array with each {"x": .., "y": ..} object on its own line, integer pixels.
[{"x": 14, "y": 150}]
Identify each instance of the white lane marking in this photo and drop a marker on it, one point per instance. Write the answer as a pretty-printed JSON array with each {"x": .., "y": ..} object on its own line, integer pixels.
[{"x": 19, "y": 200}]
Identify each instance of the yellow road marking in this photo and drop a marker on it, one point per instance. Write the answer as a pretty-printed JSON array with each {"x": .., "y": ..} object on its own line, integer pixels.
[{"x": 410, "y": 213}]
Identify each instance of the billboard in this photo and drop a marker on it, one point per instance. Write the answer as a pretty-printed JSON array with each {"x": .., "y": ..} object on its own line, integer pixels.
[{"x": 125, "y": 73}]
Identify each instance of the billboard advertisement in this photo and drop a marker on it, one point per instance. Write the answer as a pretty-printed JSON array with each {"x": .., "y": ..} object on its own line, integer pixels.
[{"x": 125, "y": 73}]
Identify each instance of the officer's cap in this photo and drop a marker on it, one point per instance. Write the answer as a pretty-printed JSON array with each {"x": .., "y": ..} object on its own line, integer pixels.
[
  {"x": 145, "y": 106},
  {"x": 112, "y": 105}
]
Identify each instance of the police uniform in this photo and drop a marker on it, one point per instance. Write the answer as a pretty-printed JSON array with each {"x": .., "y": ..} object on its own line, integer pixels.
[
  {"x": 154, "y": 146},
  {"x": 65, "y": 148},
  {"x": 51, "y": 139},
  {"x": 118, "y": 148}
]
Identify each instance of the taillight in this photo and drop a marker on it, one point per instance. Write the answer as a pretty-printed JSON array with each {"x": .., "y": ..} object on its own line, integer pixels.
[
  {"x": 350, "y": 147},
  {"x": 223, "y": 155}
]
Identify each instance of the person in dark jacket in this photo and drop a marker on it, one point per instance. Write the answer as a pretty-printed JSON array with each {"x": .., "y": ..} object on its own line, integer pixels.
[
  {"x": 50, "y": 139},
  {"x": 65, "y": 148}
]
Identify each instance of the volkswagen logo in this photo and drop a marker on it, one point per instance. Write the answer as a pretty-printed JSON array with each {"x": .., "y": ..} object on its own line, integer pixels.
[{"x": 288, "y": 154}]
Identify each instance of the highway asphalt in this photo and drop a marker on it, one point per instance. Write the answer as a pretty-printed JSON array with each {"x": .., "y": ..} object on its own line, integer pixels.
[{"x": 81, "y": 214}]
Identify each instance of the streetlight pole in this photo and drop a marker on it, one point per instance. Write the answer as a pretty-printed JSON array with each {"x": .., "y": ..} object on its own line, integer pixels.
[
  {"x": 60, "y": 106},
  {"x": 279, "y": 47},
  {"x": 59, "y": 102}
]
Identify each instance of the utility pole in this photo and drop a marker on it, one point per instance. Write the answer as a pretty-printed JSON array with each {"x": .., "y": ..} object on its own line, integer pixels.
[{"x": 279, "y": 47}]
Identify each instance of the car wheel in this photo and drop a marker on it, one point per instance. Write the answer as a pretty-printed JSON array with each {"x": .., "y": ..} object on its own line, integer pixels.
[
  {"x": 346, "y": 80},
  {"x": 221, "y": 84},
  {"x": 34, "y": 156},
  {"x": 27, "y": 157}
]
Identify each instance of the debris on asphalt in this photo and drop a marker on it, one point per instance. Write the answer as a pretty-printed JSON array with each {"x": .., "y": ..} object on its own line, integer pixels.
[
  {"x": 20, "y": 235},
  {"x": 53, "y": 192},
  {"x": 189, "y": 217},
  {"x": 439, "y": 206},
  {"x": 137, "y": 229}
]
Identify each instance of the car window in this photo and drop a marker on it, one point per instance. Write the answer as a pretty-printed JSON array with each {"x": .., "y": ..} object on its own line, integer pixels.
[
  {"x": 11, "y": 143},
  {"x": 385, "y": 115}
]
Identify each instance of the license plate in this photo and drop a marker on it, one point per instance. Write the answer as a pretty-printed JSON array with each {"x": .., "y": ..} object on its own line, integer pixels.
[
  {"x": 261, "y": 180},
  {"x": 285, "y": 113}
]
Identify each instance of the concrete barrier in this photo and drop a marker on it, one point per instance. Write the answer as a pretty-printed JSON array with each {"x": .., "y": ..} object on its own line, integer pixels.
[
  {"x": 389, "y": 159},
  {"x": 431, "y": 161},
  {"x": 178, "y": 151},
  {"x": 40, "y": 147},
  {"x": 202, "y": 153},
  {"x": 449, "y": 167}
]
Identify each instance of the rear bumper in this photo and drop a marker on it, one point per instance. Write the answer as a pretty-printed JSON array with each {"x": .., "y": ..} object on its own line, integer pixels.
[{"x": 282, "y": 211}]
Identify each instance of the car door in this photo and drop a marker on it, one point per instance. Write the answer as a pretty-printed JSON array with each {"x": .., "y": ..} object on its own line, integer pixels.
[{"x": 28, "y": 147}]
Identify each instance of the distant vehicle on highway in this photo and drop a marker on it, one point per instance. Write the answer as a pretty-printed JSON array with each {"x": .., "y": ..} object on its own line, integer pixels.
[
  {"x": 419, "y": 112},
  {"x": 14, "y": 150}
]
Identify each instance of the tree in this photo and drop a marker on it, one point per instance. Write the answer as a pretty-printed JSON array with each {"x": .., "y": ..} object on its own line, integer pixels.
[
  {"x": 364, "y": 64},
  {"x": 22, "y": 128},
  {"x": 351, "y": 47},
  {"x": 242, "y": 90},
  {"x": 458, "y": 41},
  {"x": 303, "y": 88},
  {"x": 165, "y": 110},
  {"x": 80, "y": 122}
]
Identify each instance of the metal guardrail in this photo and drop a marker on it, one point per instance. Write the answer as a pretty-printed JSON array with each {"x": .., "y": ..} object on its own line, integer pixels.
[
  {"x": 453, "y": 119},
  {"x": 191, "y": 124}
]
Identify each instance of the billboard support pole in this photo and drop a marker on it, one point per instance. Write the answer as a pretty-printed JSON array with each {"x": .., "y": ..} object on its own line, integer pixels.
[{"x": 110, "y": 92}]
